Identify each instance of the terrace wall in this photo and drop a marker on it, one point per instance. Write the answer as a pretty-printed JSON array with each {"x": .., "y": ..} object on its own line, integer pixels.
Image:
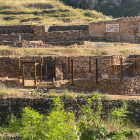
[
  {"x": 15, "y": 29},
  {"x": 44, "y": 106}
]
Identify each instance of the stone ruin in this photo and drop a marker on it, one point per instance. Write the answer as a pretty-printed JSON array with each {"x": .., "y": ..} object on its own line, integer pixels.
[{"x": 86, "y": 76}]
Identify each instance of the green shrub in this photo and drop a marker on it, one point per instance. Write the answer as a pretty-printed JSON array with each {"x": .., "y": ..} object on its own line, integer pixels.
[
  {"x": 90, "y": 126},
  {"x": 59, "y": 125}
]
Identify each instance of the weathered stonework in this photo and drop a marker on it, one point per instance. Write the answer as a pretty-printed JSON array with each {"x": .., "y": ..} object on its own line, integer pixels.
[
  {"x": 11, "y": 83},
  {"x": 44, "y": 106},
  {"x": 128, "y": 30},
  {"x": 110, "y": 85}
]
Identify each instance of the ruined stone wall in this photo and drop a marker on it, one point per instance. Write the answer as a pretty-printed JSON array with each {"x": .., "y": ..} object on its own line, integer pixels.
[
  {"x": 128, "y": 30},
  {"x": 55, "y": 35},
  {"x": 81, "y": 66},
  {"x": 15, "y": 29},
  {"x": 73, "y": 34},
  {"x": 8, "y": 66},
  {"x": 66, "y": 28},
  {"x": 11, "y": 83},
  {"x": 44, "y": 106},
  {"x": 110, "y": 85}
]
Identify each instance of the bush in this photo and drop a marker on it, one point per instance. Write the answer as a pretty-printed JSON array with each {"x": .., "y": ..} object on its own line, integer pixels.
[
  {"x": 90, "y": 126},
  {"x": 59, "y": 125}
]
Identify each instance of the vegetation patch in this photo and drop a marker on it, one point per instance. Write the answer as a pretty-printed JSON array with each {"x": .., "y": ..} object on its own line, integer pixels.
[{"x": 66, "y": 126}]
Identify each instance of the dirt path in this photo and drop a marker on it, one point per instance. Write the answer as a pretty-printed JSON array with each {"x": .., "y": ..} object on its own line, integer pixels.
[{"x": 20, "y": 93}]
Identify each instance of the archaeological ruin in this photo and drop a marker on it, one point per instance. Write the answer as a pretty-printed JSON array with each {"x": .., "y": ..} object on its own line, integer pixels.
[{"x": 113, "y": 74}]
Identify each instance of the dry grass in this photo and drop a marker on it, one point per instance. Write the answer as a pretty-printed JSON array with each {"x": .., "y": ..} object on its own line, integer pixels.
[
  {"x": 86, "y": 49},
  {"x": 72, "y": 16}
]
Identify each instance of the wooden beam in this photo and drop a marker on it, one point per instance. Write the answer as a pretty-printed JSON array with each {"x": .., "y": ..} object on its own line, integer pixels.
[
  {"x": 41, "y": 63},
  {"x": 23, "y": 74},
  {"x": 89, "y": 64},
  {"x": 139, "y": 66},
  {"x": 112, "y": 64},
  {"x": 96, "y": 71},
  {"x": 121, "y": 70},
  {"x": 31, "y": 28},
  {"x": 28, "y": 61},
  {"x": 136, "y": 63},
  {"x": 18, "y": 67},
  {"x": 35, "y": 73},
  {"x": 72, "y": 71},
  {"x": 68, "y": 64}
]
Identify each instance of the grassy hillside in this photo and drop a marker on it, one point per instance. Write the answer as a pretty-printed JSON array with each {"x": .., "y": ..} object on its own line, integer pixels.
[{"x": 44, "y": 12}]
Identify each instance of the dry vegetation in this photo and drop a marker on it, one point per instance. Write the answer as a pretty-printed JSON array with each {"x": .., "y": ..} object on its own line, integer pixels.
[
  {"x": 87, "y": 49},
  {"x": 45, "y": 12}
]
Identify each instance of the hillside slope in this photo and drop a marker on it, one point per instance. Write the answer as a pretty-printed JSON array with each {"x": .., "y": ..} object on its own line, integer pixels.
[
  {"x": 51, "y": 12},
  {"x": 115, "y": 8}
]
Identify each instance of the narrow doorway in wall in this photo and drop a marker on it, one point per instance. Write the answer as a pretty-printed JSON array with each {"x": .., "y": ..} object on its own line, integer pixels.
[{"x": 48, "y": 71}]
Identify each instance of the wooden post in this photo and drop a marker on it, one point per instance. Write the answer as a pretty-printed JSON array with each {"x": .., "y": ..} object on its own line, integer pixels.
[
  {"x": 18, "y": 67},
  {"x": 96, "y": 71},
  {"x": 122, "y": 58},
  {"x": 139, "y": 66},
  {"x": 35, "y": 73},
  {"x": 90, "y": 64},
  {"x": 23, "y": 74},
  {"x": 136, "y": 62},
  {"x": 72, "y": 71},
  {"x": 40, "y": 71},
  {"x": 41, "y": 63},
  {"x": 121, "y": 70},
  {"x": 112, "y": 64},
  {"x": 31, "y": 28},
  {"x": 68, "y": 64}
]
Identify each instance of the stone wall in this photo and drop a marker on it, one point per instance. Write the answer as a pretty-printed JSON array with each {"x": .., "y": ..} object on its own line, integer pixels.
[
  {"x": 39, "y": 30},
  {"x": 8, "y": 66},
  {"x": 11, "y": 83},
  {"x": 44, "y": 106},
  {"x": 128, "y": 30},
  {"x": 55, "y": 35},
  {"x": 73, "y": 34},
  {"x": 15, "y": 29},
  {"x": 66, "y": 28},
  {"x": 110, "y": 85},
  {"x": 81, "y": 66}
]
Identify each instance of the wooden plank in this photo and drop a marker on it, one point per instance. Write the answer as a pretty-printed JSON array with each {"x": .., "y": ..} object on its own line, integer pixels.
[
  {"x": 136, "y": 63},
  {"x": 18, "y": 67},
  {"x": 40, "y": 64},
  {"x": 35, "y": 73},
  {"x": 139, "y": 66},
  {"x": 112, "y": 64},
  {"x": 72, "y": 71},
  {"x": 121, "y": 70},
  {"x": 90, "y": 64},
  {"x": 23, "y": 74},
  {"x": 68, "y": 64},
  {"x": 96, "y": 71},
  {"x": 28, "y": 62}
]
